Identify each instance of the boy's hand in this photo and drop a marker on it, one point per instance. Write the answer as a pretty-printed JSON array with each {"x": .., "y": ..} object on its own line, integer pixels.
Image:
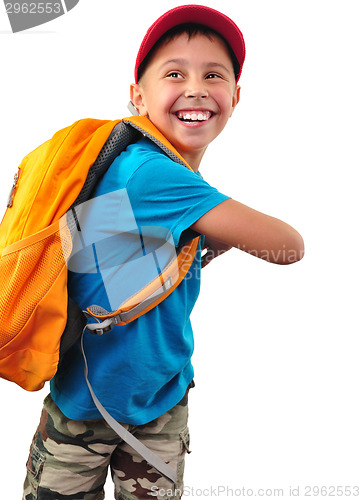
[{"x": 214, "y": 249}]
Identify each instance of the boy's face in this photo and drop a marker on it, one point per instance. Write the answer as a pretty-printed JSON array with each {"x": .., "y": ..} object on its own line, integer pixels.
[{"x": 188, "y": 91}]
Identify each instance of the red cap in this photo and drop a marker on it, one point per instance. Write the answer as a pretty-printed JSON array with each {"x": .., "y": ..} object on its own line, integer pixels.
[{"x": 199, "y": 14}]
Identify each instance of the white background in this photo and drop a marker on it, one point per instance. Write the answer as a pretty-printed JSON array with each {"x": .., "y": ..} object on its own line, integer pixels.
[{"x": 277, "y": 357}]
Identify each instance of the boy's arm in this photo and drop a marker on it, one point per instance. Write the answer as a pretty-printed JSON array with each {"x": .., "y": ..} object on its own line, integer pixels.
[{"x": 239, "y": 226}]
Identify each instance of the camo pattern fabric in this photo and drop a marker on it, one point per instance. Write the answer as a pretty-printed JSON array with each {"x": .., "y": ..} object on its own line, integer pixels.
[{"x": 69, "y": 459}]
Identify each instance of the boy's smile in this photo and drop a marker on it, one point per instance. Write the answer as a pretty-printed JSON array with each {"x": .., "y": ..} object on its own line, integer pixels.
[
  {"x": 192, "y": 116},
  {"x": 189, "y": 92}
]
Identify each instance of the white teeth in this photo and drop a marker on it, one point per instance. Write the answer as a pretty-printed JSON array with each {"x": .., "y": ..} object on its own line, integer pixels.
[{"x": 194, "y": 116}]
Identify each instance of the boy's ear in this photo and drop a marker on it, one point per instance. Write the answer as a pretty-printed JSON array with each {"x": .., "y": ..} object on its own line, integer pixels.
[
  {"x": 136, "y": 96},
  {"x": 235, "y": 99}
]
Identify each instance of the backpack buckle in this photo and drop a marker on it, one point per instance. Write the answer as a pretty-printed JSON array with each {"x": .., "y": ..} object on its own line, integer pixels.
[{"x": 100, "y": 328}]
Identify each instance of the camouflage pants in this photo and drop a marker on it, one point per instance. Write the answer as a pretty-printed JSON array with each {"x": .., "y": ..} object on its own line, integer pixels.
[{"x": 69, "y": 459}]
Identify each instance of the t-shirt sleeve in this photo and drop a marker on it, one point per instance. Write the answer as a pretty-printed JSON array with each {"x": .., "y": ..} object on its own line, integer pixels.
[{"x": 165, "y": 193}]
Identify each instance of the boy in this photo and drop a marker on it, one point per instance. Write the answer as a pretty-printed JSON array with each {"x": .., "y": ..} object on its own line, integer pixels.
[{"x": 186, "y": 77}]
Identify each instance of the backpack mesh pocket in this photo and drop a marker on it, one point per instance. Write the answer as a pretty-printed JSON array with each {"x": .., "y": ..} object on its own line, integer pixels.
[{"x": 28, "y": 269}]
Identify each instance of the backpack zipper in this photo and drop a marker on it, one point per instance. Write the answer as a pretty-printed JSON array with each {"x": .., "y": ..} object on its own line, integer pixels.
[{"x": 14, "y": 186}]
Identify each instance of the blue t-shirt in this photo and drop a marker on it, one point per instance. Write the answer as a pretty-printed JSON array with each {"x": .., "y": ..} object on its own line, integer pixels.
[{"x": 140, "y": 370}]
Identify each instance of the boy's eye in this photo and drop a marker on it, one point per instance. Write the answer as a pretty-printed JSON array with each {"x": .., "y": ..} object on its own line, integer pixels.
[
  {"x": 174, "y": 74},
  {"x": 211, "y": 76}
]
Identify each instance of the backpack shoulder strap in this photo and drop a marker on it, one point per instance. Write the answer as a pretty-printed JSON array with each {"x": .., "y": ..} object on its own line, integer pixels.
[{"x": 126, "y": 131}]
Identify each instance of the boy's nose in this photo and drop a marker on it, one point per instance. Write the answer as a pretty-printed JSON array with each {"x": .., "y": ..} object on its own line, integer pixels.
[{"x": 196, "y": 91}]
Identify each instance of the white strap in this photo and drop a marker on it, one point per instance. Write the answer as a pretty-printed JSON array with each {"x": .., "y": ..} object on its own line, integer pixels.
[{"x": 139, "y": 447}]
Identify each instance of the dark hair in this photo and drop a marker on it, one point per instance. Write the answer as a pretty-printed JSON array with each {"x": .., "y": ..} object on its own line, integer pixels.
[{"x": 190, "y": 29}]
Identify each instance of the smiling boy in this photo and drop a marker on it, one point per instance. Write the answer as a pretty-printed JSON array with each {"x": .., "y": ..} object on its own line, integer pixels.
[
  {"x": 189, "y": 91},
  {"x": 186, "y": 83}
]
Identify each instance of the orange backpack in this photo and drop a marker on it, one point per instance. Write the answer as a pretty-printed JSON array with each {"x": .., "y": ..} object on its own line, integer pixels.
[{"x": 37, "y": 318}]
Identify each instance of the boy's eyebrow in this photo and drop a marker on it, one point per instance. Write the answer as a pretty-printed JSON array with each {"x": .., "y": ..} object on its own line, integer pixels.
[
  {"x": 184, "y": 62},
  {"x": 176, "y": 61}
]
